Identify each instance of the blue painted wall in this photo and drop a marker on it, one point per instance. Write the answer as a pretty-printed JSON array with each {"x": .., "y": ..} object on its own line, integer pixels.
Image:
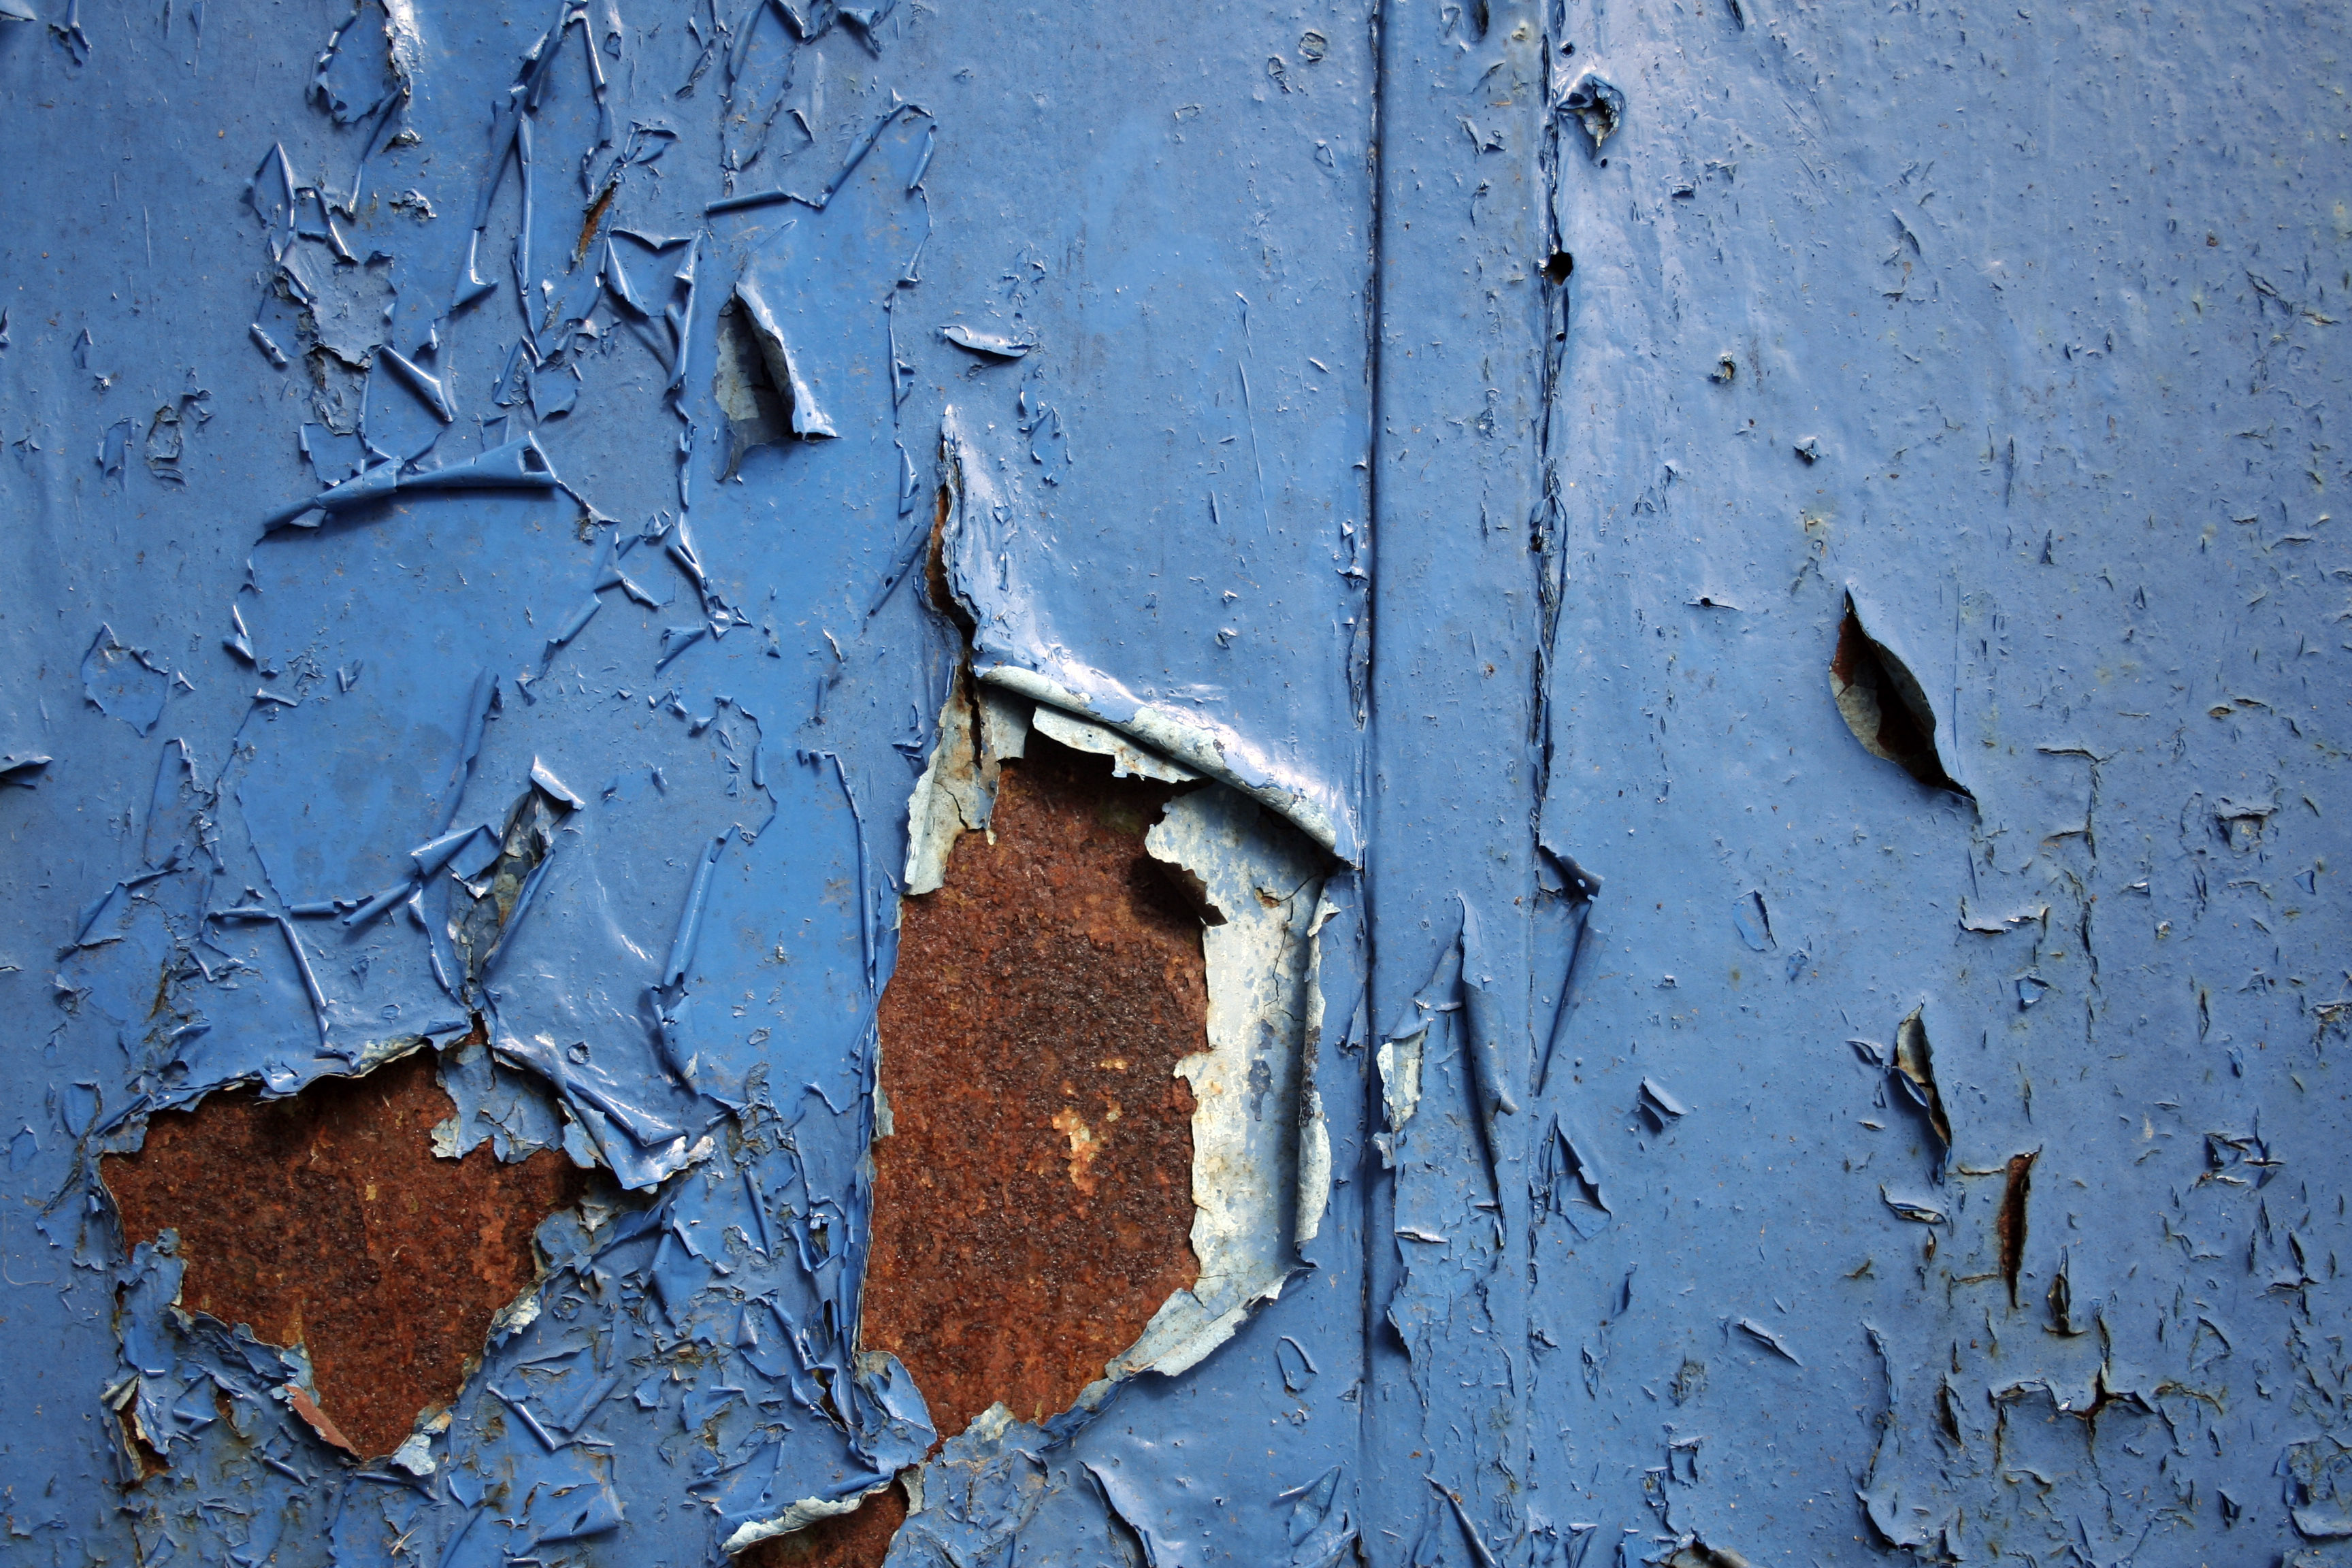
[{"x": 1483, "y": 416}]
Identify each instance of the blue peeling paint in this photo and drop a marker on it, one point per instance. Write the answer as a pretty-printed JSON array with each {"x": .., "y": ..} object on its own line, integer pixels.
[{"x": 465, "y": 468}]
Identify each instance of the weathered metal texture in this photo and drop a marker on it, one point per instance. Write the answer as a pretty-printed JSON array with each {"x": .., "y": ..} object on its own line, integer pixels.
[
  {"x": 1032, "y": 1203},
  {"x": 326, "y": 1221},
  {"x": 1462, "y": 590},
  {"x": 1940, "y": 691},
  {"x": 1750, "y": 1102}
]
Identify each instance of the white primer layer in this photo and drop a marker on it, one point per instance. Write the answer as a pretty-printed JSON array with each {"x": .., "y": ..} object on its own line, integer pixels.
[
  {"x": 1004, "y": 724},
  {"x": 1126, "y": 757},
  {"x": 798, "y": 1516},
  {"x": 1314, "y": 1130},
  {"x": 953, "y": 795},
  {"x": 1400, "y": 1064},
  {"x": 1267, "y": 883},
  {"x": 979, "y": 730}
]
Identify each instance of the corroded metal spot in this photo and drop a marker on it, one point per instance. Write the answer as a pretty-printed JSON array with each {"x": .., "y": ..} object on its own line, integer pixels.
[
  {"x": 856, "y": 1539},
  {"x": 2008, "y": 1225},
  {"x": 1033, "y": 1205},
  {"x": 325, "y": 1220}
]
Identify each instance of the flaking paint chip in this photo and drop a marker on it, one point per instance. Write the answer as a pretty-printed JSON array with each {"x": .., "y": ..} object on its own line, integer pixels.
[{"x": 1884, "y": 705}]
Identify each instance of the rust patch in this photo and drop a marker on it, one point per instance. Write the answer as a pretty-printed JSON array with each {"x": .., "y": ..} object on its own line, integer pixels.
[
  {"x": 935, "y": 566},
  {"x": 1033, "y": 1207},
  {"x": 325, "y": 1220},
  {"x": 860, "y": 1540},
  {"x": 594, "y": 221},
  {"x": 2008, "y": 1225}
]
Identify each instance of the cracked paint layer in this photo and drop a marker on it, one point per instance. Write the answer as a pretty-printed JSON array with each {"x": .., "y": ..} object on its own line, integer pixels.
[{"x": 464, "y": 469}]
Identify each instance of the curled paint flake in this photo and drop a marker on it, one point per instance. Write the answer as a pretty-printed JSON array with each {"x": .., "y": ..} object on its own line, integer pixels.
[
  {"x": 991, "y": 346},
  {"x": 1596, "y": 105}
]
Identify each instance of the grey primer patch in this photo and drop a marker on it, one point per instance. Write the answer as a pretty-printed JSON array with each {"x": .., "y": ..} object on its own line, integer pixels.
[
  {"x": 1267, "y": 881},
  {"x": 801, "y": 416},
  {"x": 956, "y": 791}
]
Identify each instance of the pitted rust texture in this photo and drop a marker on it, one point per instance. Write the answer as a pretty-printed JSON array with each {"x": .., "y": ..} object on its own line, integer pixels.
[
  {"x": 860, "y": 1540},
  {"x": 325, "y": 1220},
  {"x": 1033, "y": 1207}
]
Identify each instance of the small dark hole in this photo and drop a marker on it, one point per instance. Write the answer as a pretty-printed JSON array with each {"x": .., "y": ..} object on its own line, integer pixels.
[
  {"x": 2061, "y": 1302},
  {"x": 1557, "y": 268},
  {"x": 1884, "y": 705}
]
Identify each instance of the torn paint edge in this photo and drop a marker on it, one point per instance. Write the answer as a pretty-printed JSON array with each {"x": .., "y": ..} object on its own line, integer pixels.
[
  {"x": 1194, "y": 745},
  {"x": 1212, "y": 749},
  {"x": 808, "y": 1510},
  {"x": 809, "y": 421},
  {"x": 955, "y": 795},
  {"x": 1245, "y": 1166},
  {"x": 1128, "y": 760}
]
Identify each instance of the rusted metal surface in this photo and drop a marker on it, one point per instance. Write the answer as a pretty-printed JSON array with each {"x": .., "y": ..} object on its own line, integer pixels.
[
  {"x": 1033, "y": 1205},
  {"x": 325, "y": 1220},
  {"x": 860, "y": 1540},
  {"x": 2010, "y": 1224}
]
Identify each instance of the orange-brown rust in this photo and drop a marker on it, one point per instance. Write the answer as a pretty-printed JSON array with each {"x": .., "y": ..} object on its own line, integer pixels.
[
  {"x": 1884, "y": 705},
  {"x": 318, "y": 1420},
  {"x": 1034, "y": 1205},
  {"x": 2008, "y": 1225},
  {"x": 325, "y": 1220},
  {"x": 935, "y": 565},
  {"x": 860, "y": 1540},
  {"x": 593, "y": 220}
]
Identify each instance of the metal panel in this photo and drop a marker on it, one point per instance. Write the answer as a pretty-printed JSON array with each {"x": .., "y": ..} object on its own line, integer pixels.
[{"x": 1467, "y": 783}]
